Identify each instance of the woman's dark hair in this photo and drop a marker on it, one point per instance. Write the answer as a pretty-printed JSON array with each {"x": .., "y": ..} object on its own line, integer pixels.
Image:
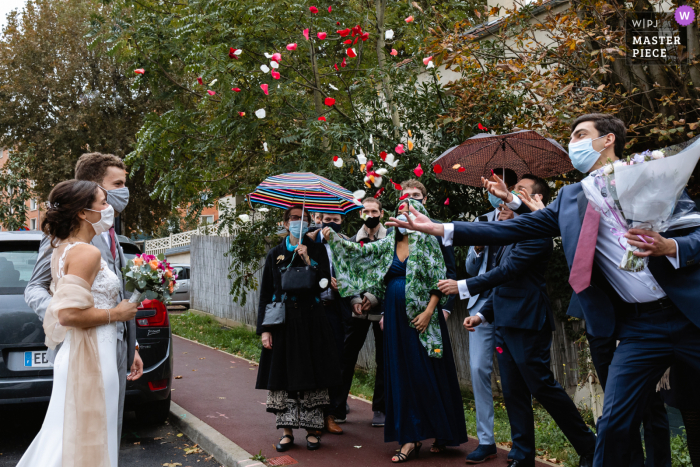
[
  {"x": 288, "y": 213},
  {"x": 66, "y": 200}
]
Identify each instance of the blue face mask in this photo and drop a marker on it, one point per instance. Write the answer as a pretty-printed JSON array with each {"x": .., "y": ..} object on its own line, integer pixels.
[
  {"x": 294, "y": 228},
  {"x": 495, "y": 200},
  {"x": 582, "y": 154}
]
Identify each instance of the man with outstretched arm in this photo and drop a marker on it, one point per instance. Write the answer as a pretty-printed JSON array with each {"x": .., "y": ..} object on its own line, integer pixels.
[{"x": 653, "y": 312}]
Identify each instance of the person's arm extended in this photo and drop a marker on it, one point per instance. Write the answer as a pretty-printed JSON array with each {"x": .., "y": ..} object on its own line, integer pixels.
[
  {"x": 523, "y": 256},
  {"x": 86, "y": 265},
  {"x": 36, "y": 294}
]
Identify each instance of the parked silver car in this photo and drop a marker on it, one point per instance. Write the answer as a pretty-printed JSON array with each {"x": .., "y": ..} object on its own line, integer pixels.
[{"x": 181, "y": 297}]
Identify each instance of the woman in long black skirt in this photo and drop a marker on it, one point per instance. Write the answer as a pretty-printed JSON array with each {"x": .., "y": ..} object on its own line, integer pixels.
[{"x": 298, "y": 362}]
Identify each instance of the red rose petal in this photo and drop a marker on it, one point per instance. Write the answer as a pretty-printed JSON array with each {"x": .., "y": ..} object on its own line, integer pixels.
[
  {"x": 292, "y": 46},
  {"x": 393, "y": 52},
  {"x": 335, "y": 65},
  {"x": 344, "y": 32},
  {"x": 236, "y": 89},
  {"x": 369, "y": 165},
  {"x": 383, "y": 155},
  {"x": 447, "y": 202},
  {"x": 242, "y": 114},
  {"x": 418, "y": 171},
  {"x": 343, "y": 64},
  {"x": 396, "y": 185},
  {"x": 351, "y": 53},
  {"x": 264, "y": 89},
  {"x": 499, "y": 350},
  {"x": 200, "y": 81},
  {"x": 437, "y": 168},
  {"x": 379, "y": 192},
  {"x": 330, "y": 9},
  {"x": 399, "y": 149},
  {"x": 365, "y": 36},
  {"x": 347, "y": 42},
  {"x": 323, "y": 119},
  {"x": 275, "y": 74},
  {"x": 403, "y": 197},
  {"x": 211, "y": 93},
  {"x": 322, "y": 35},
  {"x": 356, "y": 39},
  {"x": 329, "y": 101},
  {"x": 335, "y": 158},
  {"x": 305, "y": 32},
  {"x": 139, "y": 71},
  {"x": 461, "y": 169},
  {"x": 313, "y": 9},
  {"x": 482, "y": 127}
]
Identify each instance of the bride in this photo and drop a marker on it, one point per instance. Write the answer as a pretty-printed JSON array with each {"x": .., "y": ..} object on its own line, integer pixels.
[{"x": 80, "y": 428}]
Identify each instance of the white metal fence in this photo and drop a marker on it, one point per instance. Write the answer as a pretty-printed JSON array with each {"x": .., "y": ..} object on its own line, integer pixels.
[{"x": 157, "y": 246}]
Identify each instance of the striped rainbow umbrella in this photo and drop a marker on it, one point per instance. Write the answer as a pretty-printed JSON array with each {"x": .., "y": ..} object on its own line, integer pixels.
[{"x": 314, "y": 192}]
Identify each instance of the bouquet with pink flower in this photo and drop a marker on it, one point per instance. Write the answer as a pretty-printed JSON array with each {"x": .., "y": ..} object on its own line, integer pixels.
[
  {"x": 149, "y": 278},
  {"x": 645, "y": 191}
]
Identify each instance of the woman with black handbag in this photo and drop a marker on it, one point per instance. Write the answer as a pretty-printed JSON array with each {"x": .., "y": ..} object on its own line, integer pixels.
[{"x": 298, "y": 362}]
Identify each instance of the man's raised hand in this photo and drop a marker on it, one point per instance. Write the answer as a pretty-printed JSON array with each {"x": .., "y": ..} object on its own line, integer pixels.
[
  {"x": 421, "y": 223},
  {"x": 497, "y": 187}
]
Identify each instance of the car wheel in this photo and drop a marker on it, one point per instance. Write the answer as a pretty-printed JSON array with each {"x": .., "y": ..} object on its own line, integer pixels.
[{"x": 154, "y": 412}]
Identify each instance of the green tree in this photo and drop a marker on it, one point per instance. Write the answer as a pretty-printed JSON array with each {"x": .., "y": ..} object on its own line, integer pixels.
[
  {"x": 61, "y": 95},
  {"x": 15, "y": 191}
]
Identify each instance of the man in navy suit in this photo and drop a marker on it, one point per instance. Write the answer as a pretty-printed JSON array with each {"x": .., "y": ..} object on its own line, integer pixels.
[
  {"x": 520, "y": 309},
  {"x": 653, "y": 312}
]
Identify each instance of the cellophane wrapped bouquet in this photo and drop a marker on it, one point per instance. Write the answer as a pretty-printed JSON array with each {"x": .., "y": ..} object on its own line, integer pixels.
[
  {"x": 645, "y": 191},
  {"x": 149, "y": 277}
]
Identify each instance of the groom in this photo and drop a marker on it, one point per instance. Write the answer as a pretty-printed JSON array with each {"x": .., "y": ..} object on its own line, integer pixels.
[
  {"x": 653, "y": 312},
  {"x": 109, "y": 172}
]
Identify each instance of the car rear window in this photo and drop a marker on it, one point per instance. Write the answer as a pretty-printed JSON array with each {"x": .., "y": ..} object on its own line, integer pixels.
[{"x": 17, "y": 259}]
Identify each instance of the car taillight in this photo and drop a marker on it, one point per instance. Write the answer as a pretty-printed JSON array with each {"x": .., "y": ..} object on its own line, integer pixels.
[
  {"x": 152, "y": 313},
  {"x": 158, "y": 385}
]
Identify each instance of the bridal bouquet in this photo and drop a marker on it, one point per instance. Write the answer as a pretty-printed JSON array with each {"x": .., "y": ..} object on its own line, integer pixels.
[
  {"x": 645, "y": 191},
  {"x": 149, "y": 277}
]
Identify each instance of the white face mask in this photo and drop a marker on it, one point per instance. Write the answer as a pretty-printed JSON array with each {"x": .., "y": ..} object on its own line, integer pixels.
[{"x": 106, "y": 220}]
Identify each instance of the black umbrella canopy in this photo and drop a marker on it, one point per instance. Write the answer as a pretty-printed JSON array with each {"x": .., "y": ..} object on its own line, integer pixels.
[{"x": 524, "y": 152}]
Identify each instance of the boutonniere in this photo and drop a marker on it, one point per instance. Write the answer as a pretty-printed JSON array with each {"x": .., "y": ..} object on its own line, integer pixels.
[{"x": 280, "y": 258}]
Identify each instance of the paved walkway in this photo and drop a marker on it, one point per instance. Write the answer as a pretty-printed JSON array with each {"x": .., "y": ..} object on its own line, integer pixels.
[{"x": 218, "y": 388}]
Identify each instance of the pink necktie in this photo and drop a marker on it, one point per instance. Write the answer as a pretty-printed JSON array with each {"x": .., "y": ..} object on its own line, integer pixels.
[
  {"x": 580, "y": 276},
  {"x": 113, "y": 243}
]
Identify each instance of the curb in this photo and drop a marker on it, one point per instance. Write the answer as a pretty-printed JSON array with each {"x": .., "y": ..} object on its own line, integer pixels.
[{"x": 225, "y": 451}]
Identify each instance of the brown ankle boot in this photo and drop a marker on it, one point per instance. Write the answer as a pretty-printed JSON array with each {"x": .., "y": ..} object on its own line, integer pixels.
[{"x": 332, "y": 427}]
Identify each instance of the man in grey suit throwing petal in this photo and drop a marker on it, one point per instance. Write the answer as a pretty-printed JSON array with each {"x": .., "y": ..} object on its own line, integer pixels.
[{"x": 109, "y": 172}]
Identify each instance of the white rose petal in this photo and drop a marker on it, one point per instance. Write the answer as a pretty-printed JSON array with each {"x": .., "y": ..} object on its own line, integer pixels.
[
  {"x": 361, "y": 158},
  {"x": 382, "y": 171},
  {"x": 323, "y": 283},
  {"x": 370, "y": 140},
  {"x": 238, "y": 52},
  {"x": 264, "y": 68},
  {"x": 274, "y": 64},
  {"x": 389, "y": 34},
  {"x": 213, "y": 82},
  {"x": 332, "y": 87},
  {"x": 338, "y": 162},
  {"x": 263, "y": 210},
  {"x": 359, "y": 194},
  {"x": 657, "y": 154},
  {"x": 244, "y": 217},
  {"x": 265, "y": 147},
  {"x": 260, "y": 113},
  {"x": 430, "y": 65},
  {"x": 377, "y": 182},
  {"x": 267, "y": 55}
]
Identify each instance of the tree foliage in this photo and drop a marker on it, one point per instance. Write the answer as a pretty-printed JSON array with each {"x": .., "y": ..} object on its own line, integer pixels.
[
  {"x": 326, "y": 103},
  {"x": 15, "y": 191},
  {"x": 61, "y": 95}
]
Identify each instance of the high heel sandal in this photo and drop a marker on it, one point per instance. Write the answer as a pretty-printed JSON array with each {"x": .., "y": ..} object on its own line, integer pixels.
[
  {"x": 286, "y": 446},
  {"x": 401, "y": 457},
  {"x": 436, "y": 448}
]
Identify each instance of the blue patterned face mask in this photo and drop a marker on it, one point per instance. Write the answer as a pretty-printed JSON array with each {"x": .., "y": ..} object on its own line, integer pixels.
[{"x": 294, "y": 227}]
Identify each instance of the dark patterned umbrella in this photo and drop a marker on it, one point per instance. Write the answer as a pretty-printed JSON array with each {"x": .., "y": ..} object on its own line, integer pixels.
[{"x": 524, "y": 152}]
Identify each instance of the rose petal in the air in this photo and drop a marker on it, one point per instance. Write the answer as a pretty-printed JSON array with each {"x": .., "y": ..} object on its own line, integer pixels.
[
  {"x": 139, "y": 71},
  {"x": 275, "y": 74},
  {"x": 410, "y": 145},
  {"x": 343, "y": 64},
  {"x": 482, "y": 127},
  {"x": 351, "y": 53},
  {"x": 396, "y": 185},
  {"x": 264, "y": 89},
  {"x": 264, "y": 68},
  {"x": 365, "y": 36},
  {"x": 276, "y": 57},
  {"x": 359, "y": 194},
  {"x": 409, "y": 19},
  {"x": 393, "y": 52},
  {"x": 344, "y": 32},
  {"x": 305, "y": 32},
  {"x": 337, "y": 161},
  {"x": 499, "y": 350},
  {"x": 200, "y": 81},
  {"x": 211, "y": 93},
  {"x": 437, "y": 168},
  {"x": 242, "y": 114},
  {"x": 330, "y": 9},
  {"x": 322, "y": 35},
  {"x": 329, "y": 101},
  {"x": 461, "y": 169},
  {"x": 260, "y": 113},
  {"x": 323, "y": 119},
  {"x": 347, "y": 42},
  {"x": 427, "y": 59},
  {"x": 418, "y": 171},
  {"x": 313, "y": 9},
  {"x": 335, "y": 65},
  {"x": 383, "y": 155},
  {"x": 447, "y": 202},
  {"x": 389, "y": 34},
  {"x": 399, "y": 149},
  {"x": 292, "y": 46},
  {"x": 236, "y": 89},
  {"x": 274, "y": 65}
]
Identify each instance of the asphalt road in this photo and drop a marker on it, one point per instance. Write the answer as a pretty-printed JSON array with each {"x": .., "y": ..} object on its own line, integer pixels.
[{"x": 147, "y": 446}]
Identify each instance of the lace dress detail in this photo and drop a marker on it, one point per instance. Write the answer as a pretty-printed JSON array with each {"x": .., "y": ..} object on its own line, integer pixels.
[{"x": 105, "y": 291}]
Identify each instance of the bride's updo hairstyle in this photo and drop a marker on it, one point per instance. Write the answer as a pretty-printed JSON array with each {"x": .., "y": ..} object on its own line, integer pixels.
[{"x": 66, "y": 200}]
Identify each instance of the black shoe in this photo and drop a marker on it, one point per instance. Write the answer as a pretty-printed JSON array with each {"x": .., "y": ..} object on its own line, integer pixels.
[
  {"x": 286, "y": 446},
  {"x": 313, "y": 446},
  {"x": 586, "y": 460},
  {"x": 520, "y": 463}
]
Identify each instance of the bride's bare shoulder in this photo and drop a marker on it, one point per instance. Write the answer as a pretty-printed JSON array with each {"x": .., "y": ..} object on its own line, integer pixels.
[{"x": 83, "y": 260}]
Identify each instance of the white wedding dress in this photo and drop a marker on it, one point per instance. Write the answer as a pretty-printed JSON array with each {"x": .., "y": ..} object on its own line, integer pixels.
[{"x": 47, "y": 448}]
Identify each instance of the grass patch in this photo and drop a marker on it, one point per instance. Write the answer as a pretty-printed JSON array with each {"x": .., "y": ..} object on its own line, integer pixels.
[
  {"x": 549, "y": 439},
  {"x": 205, "y": 330}
]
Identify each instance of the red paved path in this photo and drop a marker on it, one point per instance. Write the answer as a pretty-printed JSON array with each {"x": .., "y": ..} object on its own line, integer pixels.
[{"x": 218, "y": 388}]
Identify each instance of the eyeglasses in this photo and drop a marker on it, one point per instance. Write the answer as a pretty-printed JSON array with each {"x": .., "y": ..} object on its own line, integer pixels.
[{"x": 294, "y": 218}]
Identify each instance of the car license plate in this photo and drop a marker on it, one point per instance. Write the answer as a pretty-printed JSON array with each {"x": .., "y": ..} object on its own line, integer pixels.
[{"x": 36, "y": 359}]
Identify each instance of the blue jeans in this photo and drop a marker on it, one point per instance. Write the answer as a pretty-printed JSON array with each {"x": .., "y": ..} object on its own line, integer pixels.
[{"x": 481, "y": 346}]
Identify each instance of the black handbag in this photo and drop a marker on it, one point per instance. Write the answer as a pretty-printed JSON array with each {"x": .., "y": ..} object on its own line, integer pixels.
[
  {"x": 274, "y": 313},
  {"x": 298, "y": 278}
]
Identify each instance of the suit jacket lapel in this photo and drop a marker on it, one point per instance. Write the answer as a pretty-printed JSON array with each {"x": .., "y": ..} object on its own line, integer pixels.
[{"x": 582, "y": 202}]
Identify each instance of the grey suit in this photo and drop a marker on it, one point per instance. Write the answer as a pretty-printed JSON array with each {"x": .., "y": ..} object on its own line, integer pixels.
[{"x": 37, "y": 297}]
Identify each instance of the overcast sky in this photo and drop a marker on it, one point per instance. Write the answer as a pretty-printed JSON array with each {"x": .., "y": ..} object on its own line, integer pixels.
[{"x": 8, "y": 5}]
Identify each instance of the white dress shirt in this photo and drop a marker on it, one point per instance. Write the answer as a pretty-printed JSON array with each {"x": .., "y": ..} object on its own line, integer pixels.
[{"x": 633, "y": 287}]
